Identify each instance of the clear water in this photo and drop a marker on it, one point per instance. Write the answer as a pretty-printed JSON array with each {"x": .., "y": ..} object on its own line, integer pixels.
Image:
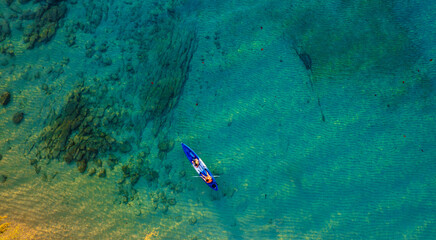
[{"x": 338, "y": 147}]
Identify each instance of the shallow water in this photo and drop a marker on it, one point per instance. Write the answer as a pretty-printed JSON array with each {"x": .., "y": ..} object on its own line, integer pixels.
[{"x": 343, "y": 149}]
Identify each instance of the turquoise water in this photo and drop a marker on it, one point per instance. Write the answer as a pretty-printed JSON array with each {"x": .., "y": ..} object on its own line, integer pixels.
[{"x": 318, "y": 117}]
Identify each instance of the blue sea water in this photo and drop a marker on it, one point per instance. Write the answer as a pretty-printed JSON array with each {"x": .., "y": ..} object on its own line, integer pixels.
[{"x": 318, "y": 118}]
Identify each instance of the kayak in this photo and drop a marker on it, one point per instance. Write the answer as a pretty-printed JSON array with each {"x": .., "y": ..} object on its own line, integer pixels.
[{"x": 202, "y": 168}]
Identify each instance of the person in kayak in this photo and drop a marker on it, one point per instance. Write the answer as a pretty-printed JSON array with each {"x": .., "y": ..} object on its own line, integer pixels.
[
  {"x": 195, "y": 162},
  {"x": 207, "y": 178}
]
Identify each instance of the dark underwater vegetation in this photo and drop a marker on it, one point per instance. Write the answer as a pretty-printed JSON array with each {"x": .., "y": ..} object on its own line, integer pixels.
[{"x": 317, "y": 116}]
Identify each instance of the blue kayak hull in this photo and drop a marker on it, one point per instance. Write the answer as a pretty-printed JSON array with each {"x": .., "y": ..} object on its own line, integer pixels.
[{"x": 202, "y": 169}]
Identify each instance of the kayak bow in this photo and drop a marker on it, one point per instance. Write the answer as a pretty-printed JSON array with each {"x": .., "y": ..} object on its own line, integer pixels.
[{"x": 202, "y": 168}]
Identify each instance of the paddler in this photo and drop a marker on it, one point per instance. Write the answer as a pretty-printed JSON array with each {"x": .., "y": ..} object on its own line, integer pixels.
[
  {"x": 207, "y": 178},
  {"x": 195, "y": 162}
]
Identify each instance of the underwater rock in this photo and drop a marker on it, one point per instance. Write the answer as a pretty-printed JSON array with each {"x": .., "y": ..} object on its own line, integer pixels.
[
  {"x": 81, "y": 165},
  {"x": 120, "y": 181},
  {"x": 23, "y": 1},
  {"x": 126, "y": 170},
  {"x": 162, "y": 155},
  {"x": 163, "y": 208},
  {"x": 44, "y": 87},
  {"x": 7, "y": 48},
  {"x": 137, "y": 212},
  {"x": 18, "y": 117},
  {"x": 154, "y": 197},
  {"x": 107, "y": 61},
  {"x": 101, "y": 173},
  {"x": 65, "y": 61},
  {"x": 89, "y": 52},
  {"x": 9, "y": 2},
  {"x": 37, "y": 168},
  {"x": 28, "y": 15},
  {"x": 98, "y": 56},
  {"x": 3, "y": 61},
  {"x": 151, "y": 175},
  {"x": 68, "y": 157},
  {"x": 115, "y": 77},
  {"x": 125, "y": 147},
  {"x": 89, "y": 44},
  {"x": 72, "y": 136},
  {"x": 177, "y": 187},
  {"x": 5, "y": 30},
  {"x": 307, "y": 61},
  {"x": 98, "y": 162},
  {"x": 3, "y": 178},
  {"x": 167, "y": 182},
  {"x": 172, "y": 64},
  {"x": 5, "y": 98},
  {"x": 37, "y": 75},
  {"x": 44, "y": 177},
  {"x": 134, "y": 179},
  {"x": 100, "y": 112},
  {"x": 94, "y": 15},
  {"x": 129, "y": 67},
  {"x": 33, "y": 161},
  {"x": 166, "y": 145},
  {"x": 112, "y": 161},
  {"x": 45, "y": 24},
  {"x": 145, "y": 152},
  {"x": 91, "y": 171},
  {"x": 71, "y": 40},
  {"x": 192, "y": 220},
  {"x": 127, "y": 192},
  {"x": 1, "y": 157},
  {"x": 103, "y": 47},
  {"x": 171, "y": 201}
]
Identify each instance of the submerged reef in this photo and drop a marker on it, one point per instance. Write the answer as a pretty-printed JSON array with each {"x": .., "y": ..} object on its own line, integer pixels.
[
  {"x": 3, "y": 178},
  {"x": 161, "y": 202},
  {"x": 37, "y": 24},
  {"x": 5, "y": 30},
  {"x": 165, "y": 54},
  {"x": 7, "y": 48},
  {"x": 96, "y": 10},
  {"x": 73, "y": 135},
  {"x": 165, "y": 145},
  {"x": 18, "y": 117},
  {"x": 5, "y": 98},
  {"x": 100, "y": 124},
  {"x": 45, "y": 23},
  {"x": 135, "y": 168}
]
